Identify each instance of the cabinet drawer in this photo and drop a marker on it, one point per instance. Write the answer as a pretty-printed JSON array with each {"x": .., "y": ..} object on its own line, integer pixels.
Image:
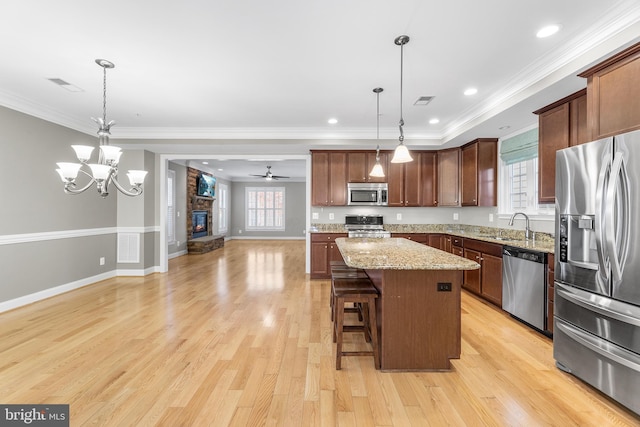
[
  {"x": 484, "y": 247},
  {"x": 457, "y": 241},
  {"x": 326, "y": 237}
]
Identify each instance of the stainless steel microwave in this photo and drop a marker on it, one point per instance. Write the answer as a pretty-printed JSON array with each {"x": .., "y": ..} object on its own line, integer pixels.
[{"x": 367, "y": 194}]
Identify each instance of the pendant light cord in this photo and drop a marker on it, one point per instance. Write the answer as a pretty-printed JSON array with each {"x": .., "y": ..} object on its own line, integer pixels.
[{"x": 401, "y": 138}]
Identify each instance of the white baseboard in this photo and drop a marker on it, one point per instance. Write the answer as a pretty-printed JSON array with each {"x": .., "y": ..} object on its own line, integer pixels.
[
  {"x": 51, "y": 292},
  {"x": 177, "y": 254}
]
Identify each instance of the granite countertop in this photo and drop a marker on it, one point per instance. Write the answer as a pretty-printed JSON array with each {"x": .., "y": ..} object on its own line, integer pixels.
[
  {"x": 543, "y": 242},
  {"x": 398, "y": 254}
]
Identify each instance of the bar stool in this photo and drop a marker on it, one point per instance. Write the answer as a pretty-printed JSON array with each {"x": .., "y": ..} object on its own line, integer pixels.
[
  {"x": 362, "y": 293},
  {"x": 340, "y": 270}
]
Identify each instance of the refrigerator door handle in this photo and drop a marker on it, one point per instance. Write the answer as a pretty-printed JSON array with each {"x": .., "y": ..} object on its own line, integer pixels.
[
  {"x": 592, "y": 305},
  {"x": 613, "y": 233},
  {"x": 600, "y": 346},
  {"x": 603, "y": 179}
]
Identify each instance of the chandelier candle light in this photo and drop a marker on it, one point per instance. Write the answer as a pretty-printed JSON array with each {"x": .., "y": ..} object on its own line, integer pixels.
[
  {"x": 105, "y": 171},
  {"x": 377, "y": 170},
  {"x": 401, "y": 153}
]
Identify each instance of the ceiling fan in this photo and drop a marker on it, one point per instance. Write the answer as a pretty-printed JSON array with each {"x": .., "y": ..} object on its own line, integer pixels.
[{"x": 269, "y": 175}]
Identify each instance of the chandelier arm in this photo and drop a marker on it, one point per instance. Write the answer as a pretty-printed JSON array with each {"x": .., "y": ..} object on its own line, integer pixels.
[
  {"x": 135, "y": 190},
  {"x": 70, "y": 187}
]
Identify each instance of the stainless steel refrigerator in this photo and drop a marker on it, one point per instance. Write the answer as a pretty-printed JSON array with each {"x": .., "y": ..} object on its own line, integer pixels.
[{"x": 597, "y": 270}]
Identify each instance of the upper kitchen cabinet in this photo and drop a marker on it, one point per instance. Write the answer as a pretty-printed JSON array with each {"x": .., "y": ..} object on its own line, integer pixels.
[
  {"x": 429, "y": 176},
  {"x": 449, "y": 177},
  {"x": 560, "y": 125},
  {"x": 480, "y": 172},
  {"x": 328, "y": 178},
  {"x": 404, "y": 183},
  {"x": 360, "y": 164},
  {"x": 613, "y": 94}
]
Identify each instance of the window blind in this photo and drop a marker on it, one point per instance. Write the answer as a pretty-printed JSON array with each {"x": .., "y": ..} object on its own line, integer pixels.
[{"x": 520, "y": 148}]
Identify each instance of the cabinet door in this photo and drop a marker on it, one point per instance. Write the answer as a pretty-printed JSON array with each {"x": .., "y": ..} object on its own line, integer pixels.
[
  {"x": 358, "y": 167},
  {"x": 429, "y": 178},
  {"x": 435, "y": 241},
  {"x": 578, "y": 130},
  {"x": 472, "y": 277},
  {"x": 334, "y": 253},
  {"x": 457, "y": 250},
  {"x": 319, "y": 260},
  {"x": 614, "y": 94},
  {"x": 395, "y": 180},
  {"x": 338, "y": 179},
  {"x": 412, "y": 185},
  {"x": 553, "y": 136},
  {"x": 469, "y": 182},
  {"x": 491, "y": 278},
  {"x": 320, "y": 179},
  {"x": 449, "y": 177}
]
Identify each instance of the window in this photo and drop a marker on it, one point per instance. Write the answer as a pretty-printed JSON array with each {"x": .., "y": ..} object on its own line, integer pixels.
[
  {"x": 171, "y": 209},
  {"x": 519, "y": 175},
  {"x": 223, "y": 212},
  {"x": 265, "y": 208}
]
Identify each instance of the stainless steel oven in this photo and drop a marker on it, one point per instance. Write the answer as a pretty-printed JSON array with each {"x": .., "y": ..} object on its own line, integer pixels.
[{"x": 367, "y": 194}]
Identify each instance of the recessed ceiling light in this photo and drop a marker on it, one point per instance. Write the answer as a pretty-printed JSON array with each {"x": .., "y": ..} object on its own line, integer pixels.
[
  {"x": 471, "y": 91},
  {"x": 205, "y": 163},
  {"x": 434, "y": 121},
  {"x": 220, "y": 169},
  {"x": 547, "y": 31},
  {"x": 332, "y": 121}
]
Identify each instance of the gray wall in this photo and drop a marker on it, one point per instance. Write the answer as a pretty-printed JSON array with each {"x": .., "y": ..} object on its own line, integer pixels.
[
  {"x": 440, "y": 215},
  {"x": 51, "y": 241},
  {"x": 295, "y": 210},
  {"x": 181, "y": 209}
]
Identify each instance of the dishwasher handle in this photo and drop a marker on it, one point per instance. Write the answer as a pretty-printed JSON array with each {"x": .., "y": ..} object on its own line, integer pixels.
[{"x": 526, "y": 254}]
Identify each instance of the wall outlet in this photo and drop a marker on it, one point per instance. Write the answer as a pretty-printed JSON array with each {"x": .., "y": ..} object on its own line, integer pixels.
[
  {"x": 239, "y": 231},
  {"x": 444, "y": 287},
  {"x": 315, "y": 215},
  {"x": 399, "y": 216},
  {"x": 178, "y": 243},
  {"x": 456, "y": 216},
  {"x": 178, "y": 214},
  {"x": 490, "y": 217},
  {"x": 331, "y": 216},
  {"x": 101, "y": 260}
]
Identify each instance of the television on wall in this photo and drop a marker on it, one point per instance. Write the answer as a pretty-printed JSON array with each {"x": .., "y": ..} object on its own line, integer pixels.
[{"x": 206, "y": 186}]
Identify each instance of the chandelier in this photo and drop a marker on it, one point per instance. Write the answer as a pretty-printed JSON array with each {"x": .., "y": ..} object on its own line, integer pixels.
[
  {"x": 401, "y": 153},
  {"x": 105, "y": 171}
]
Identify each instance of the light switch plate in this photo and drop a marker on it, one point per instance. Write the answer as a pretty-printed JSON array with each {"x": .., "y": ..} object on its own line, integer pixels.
[
  {"x": 331, "y": 216},
  {"x": 490, "y": 217},
  {"x": 399, "y": 217},
  {"x": 315, "y": 215},
  {"x": 456, "y": 216}
]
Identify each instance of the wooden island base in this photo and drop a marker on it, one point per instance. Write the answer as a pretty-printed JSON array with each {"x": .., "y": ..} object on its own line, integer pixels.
[{"x": 419, "y": 326}]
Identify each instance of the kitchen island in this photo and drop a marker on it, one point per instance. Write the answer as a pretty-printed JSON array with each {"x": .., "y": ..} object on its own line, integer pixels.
[{"x": 418, "y": 312}]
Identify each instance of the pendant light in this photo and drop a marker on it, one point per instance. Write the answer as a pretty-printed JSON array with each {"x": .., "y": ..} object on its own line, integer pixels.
[
  {"x": 401, "y": 153},
  {"x": 377, "y": 170}
]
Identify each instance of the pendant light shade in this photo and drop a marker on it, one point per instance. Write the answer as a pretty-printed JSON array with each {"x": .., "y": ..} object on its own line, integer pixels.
[
  {"x": 377, "y": 171},
  {"x": 401, "y": 153}
]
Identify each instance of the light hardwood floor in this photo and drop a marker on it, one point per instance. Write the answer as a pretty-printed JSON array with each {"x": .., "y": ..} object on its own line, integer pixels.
[{"x": 240, "y": 336}]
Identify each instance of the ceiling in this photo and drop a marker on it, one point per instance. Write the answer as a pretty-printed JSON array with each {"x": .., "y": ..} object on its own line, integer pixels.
[{"x": 207, "y": 79}]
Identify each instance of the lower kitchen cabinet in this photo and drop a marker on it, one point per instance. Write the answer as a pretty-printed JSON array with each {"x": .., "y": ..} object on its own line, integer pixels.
[
  {"x": 487, "y": 281},
  {"x": 435, "y": 240},
  {"x": 323, "y": 251},
  {"x": 550, "y": 291},
  {"x": 416, "y": 237}
]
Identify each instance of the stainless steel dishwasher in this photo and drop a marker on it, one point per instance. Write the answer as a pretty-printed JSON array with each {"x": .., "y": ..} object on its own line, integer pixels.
[{"x": 524, "y": 285}]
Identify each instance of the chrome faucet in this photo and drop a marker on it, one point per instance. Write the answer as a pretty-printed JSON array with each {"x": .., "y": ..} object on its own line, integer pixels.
[{"x": 527, "y": 230}]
